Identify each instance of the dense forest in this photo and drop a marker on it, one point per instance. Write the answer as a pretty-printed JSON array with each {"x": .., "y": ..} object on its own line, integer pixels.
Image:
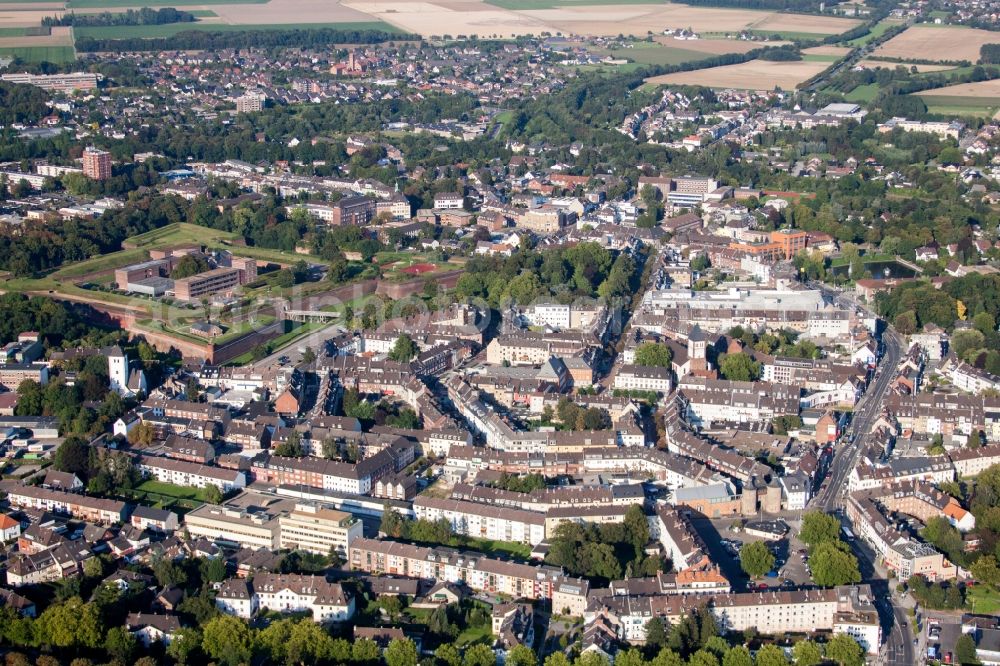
[
  {"x": 144, "y": 16},
  {"x": 212, "y": 40},
  {"x": 21, "y": 104}
]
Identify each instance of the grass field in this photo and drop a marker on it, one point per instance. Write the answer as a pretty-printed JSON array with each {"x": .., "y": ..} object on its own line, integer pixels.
[
  {"x": 54, "y": 54},
  {"x": 177, "y": 234},
  {"x": 877, "y": 31},
  {"x": 109, "y": 4},
  {"x": 654, "y": 54},
  {"x": 14, "y": 32},
  {"x": 817, "y": 57},
  {"x": 962, "y": 106},
  {"x": 982, "y": 600},
  {"x": 865, "y": 93},
  {"x": 171, "y": 29}
]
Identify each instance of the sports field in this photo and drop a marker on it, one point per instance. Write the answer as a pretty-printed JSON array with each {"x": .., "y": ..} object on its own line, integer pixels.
[
  {"x": 926, "y": 41},
  {"x": 752, "y": 75}
]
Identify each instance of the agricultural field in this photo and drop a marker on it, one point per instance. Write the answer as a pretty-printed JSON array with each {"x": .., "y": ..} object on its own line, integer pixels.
[
  {"x": 59, "y": 36},
  {"x": 54, "y": 54},
  {"x": 753, "y": 75},
  {"x": 980, "y": 99},
  {"x": 586, "y": 17},
  {"x": 937, "y": 42}
]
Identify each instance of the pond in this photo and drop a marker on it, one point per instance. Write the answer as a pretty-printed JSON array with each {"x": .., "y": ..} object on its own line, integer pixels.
[{"x": 880, "y": 269}]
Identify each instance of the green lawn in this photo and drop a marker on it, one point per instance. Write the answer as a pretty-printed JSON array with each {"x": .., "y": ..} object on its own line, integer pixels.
[
  {"x": 53, "y": 54},
  {"x": 108, "y": 4},
  {"x": 865, "y": 93},
  {"x": 179, "y": 233},
  {"x": 491, "y": 546},
  {"x": 13, "y": 32},
  {"x": 101, "y": 263},
  {"x": 171, "y": 29},
  {"x": 171, "y": 490},
  {"x": 983, "y": 601},
  {"x": 473, "y": 635}
]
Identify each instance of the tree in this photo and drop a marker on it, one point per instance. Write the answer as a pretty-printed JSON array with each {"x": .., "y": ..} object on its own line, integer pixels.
[
  {"x": 214, "y": 569},
  {"x": 309, "y": 644},
  {"x": 771, "y": 655},
  {"x": 656, "y": 633},
  {"x": 818, "y": 527},
  {"x": 212, "y": 494},
  {"x": 703, "y": 658},
  {"x": 756, "y": 559},
  {"x": 653, "y": 354},
  {"x": 404, "y": 350},
  {"x": 965, "y": 650},
  {"x": 479, "y": 655},
  {"x": 667, "y": 657},
  {"x": 557, "y": 659},
  {"x": 142, "y": 435},
  {"x": 593, "y": 418},
  {"x": 186, "y": 641},
  {"x": 637, "y": 527},
  {"x": 227, "y": 639},
  {"x": 309, "y": 356},
  {"x": 120, "y": 643},
  {"x": 392, "y": 523},
  {"x": 965, "y": 341},
  {"x": 906, "y": 322},
  {"x": 845, "y": 651},
  {"x": 401, "y": 652},
  {"x": 365, "y": 651},
  {"x": 807, "y": 653},
  {"x": 73, "y": 455},
  {"x": 447, "y": 655},
  {"x": 986, "y": 572},
  {"x": 291, "y": 447},
  {"x": 833, "y": 564},
  {"x": 71, "y": 623},
  {"x": 739, "y": 367},
  {"x": 737, "y": 656}
]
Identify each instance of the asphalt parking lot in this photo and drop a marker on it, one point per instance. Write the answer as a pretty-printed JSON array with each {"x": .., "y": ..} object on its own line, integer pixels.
[{"x": 717, "y": 532}]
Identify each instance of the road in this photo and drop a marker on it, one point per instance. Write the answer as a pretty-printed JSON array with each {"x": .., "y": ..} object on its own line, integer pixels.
[
  {"x": 897, "y": 648},
  {"x": 867, "y": 410}
]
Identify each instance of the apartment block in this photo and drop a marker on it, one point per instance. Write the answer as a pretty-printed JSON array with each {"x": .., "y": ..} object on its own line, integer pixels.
[
  {"x": 215, "y": 281},
  {"x": 286, "y": 593},
  {"x": 105, "y": 512},
  {"x": 319, "y": 530}
]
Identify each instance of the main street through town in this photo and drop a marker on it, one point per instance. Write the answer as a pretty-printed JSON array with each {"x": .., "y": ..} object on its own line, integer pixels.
[{"x": 897, "y": 648}]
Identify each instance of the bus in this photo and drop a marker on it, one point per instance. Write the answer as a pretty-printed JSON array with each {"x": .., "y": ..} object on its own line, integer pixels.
[{"x": 847, "y": 532}]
